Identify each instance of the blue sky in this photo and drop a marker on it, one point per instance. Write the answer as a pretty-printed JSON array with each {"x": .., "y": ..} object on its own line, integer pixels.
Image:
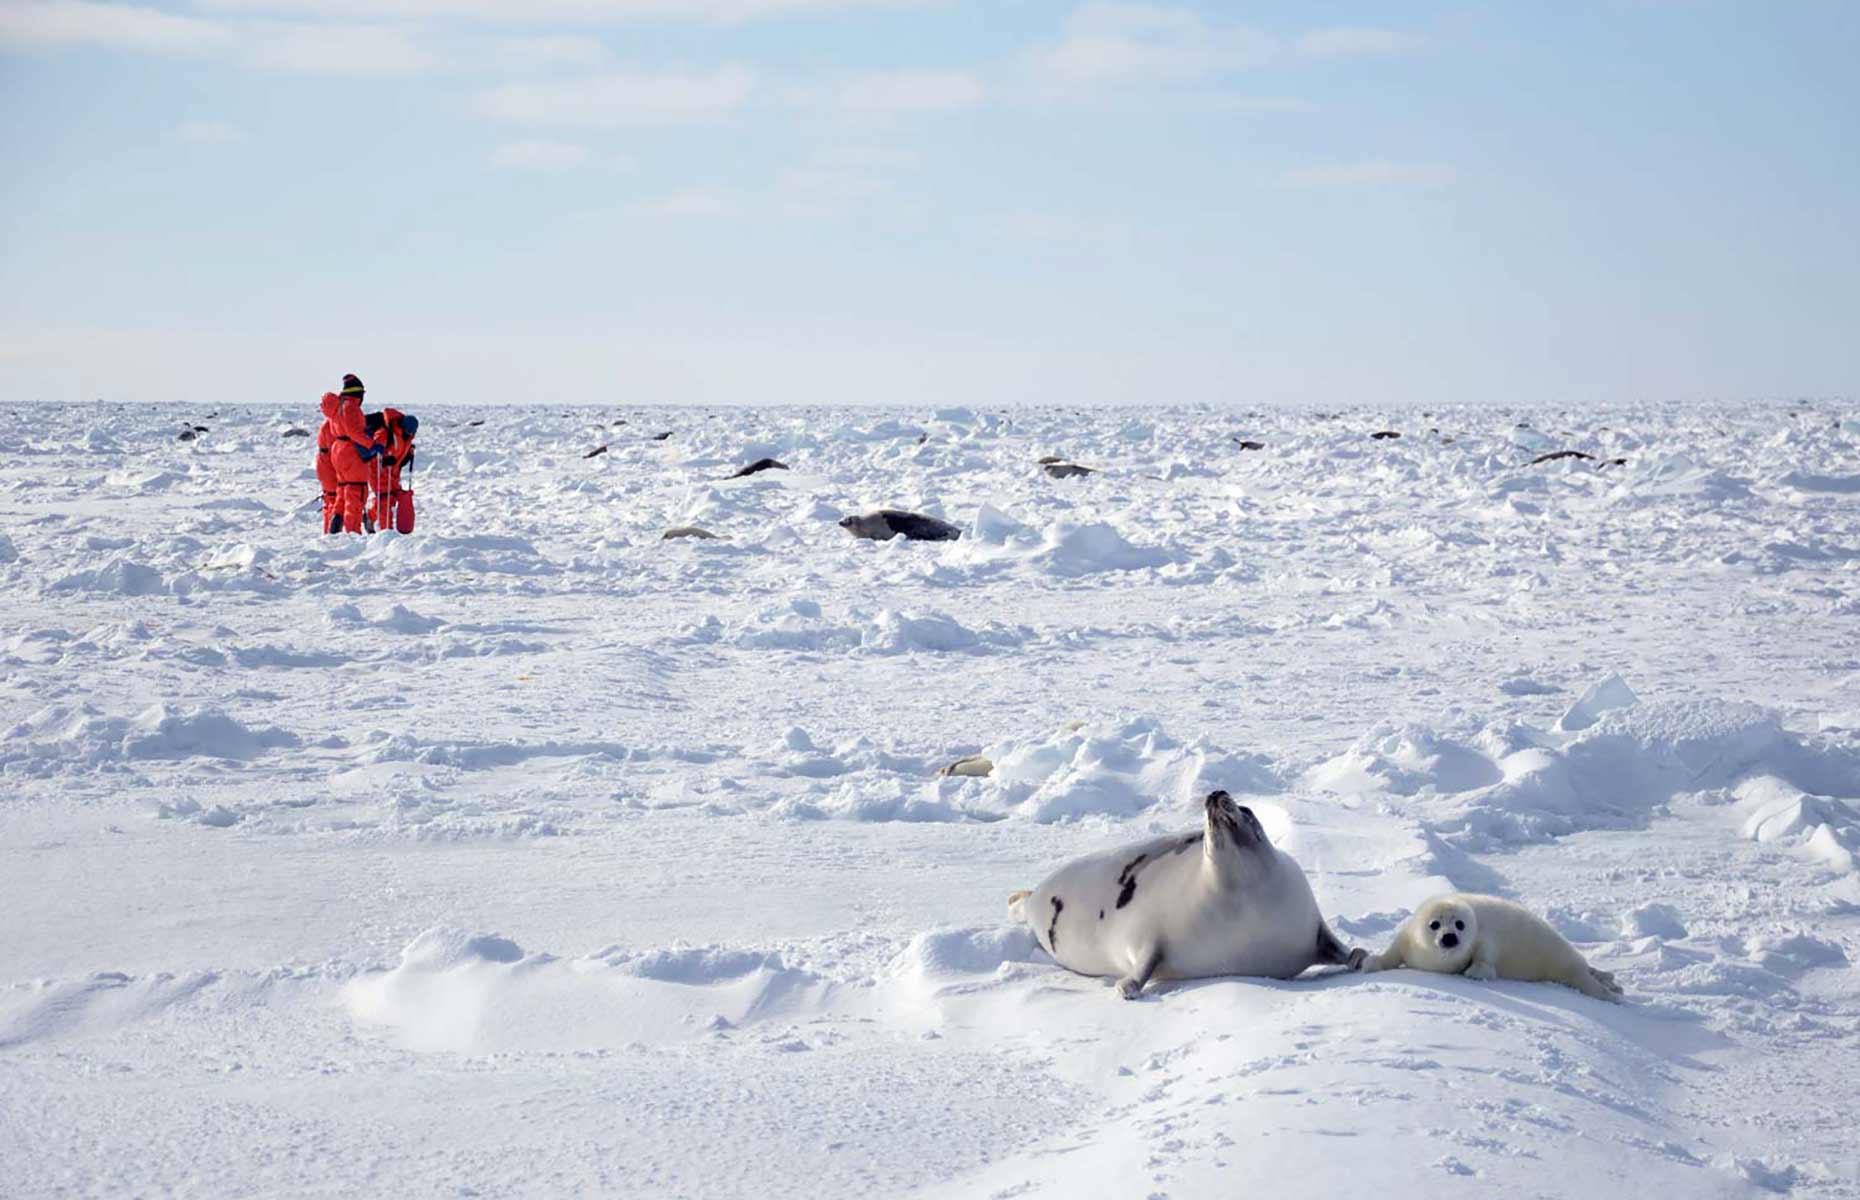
[{"x": 946, "y": 201}]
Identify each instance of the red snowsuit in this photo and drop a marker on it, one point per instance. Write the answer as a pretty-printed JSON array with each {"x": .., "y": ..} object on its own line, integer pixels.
[
  {"x": 325, "y": 469},
  {"x": 393, "y": 504},
  {"x": 352, "y": 453}
]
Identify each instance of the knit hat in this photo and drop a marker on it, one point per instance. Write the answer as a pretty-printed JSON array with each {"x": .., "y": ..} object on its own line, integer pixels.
[{"x": 351, "y": 386}]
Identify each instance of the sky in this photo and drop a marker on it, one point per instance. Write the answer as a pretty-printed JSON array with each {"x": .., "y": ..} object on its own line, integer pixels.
[{"x": 947, "y": 202}]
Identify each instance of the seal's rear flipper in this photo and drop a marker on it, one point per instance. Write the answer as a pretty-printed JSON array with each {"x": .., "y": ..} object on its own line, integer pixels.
[
  {"x": 1014, "y": 905},
  {"x": 1331, "y": 952}
]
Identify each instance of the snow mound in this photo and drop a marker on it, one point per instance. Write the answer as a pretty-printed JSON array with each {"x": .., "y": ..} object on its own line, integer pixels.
[
  {"x": 1508, "y": 783},
  {"x": 475, "y": 554},
  {"x": 475, "y": 993},
  {"x": 804, "y": 626},
  {"x": 1111, "y": 769},
  {"x": 1062, "y": 549},
  {"x": 951, "y": 961},
  {"x": 1822, "y": 828},
  {"x": 1601, "y": 697},
  {"x": 58, "y": 739},
  {"x": 118, "y": 577}
]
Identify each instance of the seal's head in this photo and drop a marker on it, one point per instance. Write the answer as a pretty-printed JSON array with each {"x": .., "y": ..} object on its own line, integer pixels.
[
  {"x": 1442, "y": 932},
  {"x": 873, "y": 526},
  {"x": 1231, "y": 824}
]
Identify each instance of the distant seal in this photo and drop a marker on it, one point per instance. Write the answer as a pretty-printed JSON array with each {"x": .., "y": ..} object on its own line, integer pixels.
[
  {"x": 1560, "y": 455},
  {"x": 1484, "y": 937},
  {"x": 1250, "y": 445},
  {"x": 1222, "y": 901},
  {"x": 972, "y": 766},
  {"x": 1383, "y": 435},
  {"x": 760, "y": 465},
  {"x": 888, "y": 523},
  {"x": 597, "y": 451},
  {"x": 686, "y": 531},
  {"x": 1066, "y": 470}
]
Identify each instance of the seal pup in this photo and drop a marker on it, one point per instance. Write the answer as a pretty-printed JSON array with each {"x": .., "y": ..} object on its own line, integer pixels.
[
  {"x": 1484, "y": 937},
  {"x": 1221, "y": 901},
  {"x": 888, "y": 523}
]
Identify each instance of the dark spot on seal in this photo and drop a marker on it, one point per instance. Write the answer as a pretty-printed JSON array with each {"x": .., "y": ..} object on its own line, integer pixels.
[
  {"x": 1193, "y": 839},
  {"x": 1052, "y": 931},
  {"x": 1127, "y": 879},
  {"x": 1559, "y": 455}
]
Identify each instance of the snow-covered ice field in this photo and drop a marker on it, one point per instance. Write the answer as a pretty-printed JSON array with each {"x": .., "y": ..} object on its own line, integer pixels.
[{"x": 530, "y": 854}]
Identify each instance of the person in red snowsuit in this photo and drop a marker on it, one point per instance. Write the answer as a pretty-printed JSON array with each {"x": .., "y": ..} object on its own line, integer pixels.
[
  {"x": 352, "y": 454},
  {"x": 393, "y": 431},
  {"x": 326, "y": 469}
]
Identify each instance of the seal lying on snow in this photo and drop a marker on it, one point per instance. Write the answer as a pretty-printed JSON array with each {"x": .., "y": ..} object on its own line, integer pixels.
[
  {"x": 1484, "y": 937},
  {"x": 1219, "y": 902},
  {"x": 888, "y": 523}
]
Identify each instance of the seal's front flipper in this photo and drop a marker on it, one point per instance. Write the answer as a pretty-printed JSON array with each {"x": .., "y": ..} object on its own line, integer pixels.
[
  {"x": 1131, "y": 985},
  {"x": 1014, "y": 905},
  {"x": 1331, "y": 952}
]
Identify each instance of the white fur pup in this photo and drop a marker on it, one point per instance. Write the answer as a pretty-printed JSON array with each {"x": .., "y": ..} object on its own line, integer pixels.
[{"x": 1485, "y": 937}]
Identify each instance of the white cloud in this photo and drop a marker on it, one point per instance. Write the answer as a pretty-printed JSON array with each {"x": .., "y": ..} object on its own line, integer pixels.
[
  {"x": 621, "y": 100},
  {"x": 897, "y": 93},
  {"x": 539, "y": 156},
  {"x": 556, "y": 50},
  {"x": 554, "y": 10},
  {"x": 337, "y": 50},
  {"x": 1118, "y": 43},
  {"x": 1369, "y": 173},
  {"x": 692, "y": 202},
  {"x": 57, "y": 23},
  {"x": 314, "y": 49},
  {"x": 865, "y": 157},
  {"x": 1356, "y": 42},
  {"x": 207, "y": 133}
]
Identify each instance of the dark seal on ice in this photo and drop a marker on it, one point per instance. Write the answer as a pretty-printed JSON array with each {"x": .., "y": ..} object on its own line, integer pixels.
[
  {"x": 888, "y": 523},
  {"x": 760, "y": 465}
]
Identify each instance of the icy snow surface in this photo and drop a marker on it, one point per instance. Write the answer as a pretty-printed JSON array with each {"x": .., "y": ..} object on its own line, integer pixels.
[{"x": 530, "y": 854}]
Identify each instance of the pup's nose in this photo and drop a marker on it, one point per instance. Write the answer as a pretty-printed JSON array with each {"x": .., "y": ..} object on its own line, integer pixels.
[{"x": 1450, "y": 940}]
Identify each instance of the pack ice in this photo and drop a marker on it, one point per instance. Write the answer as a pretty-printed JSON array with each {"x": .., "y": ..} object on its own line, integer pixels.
[{"x": 536, "y": 854}]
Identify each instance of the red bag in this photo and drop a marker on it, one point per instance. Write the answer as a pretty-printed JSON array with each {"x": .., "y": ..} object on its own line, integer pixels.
[{"x": 403, "y": 512}]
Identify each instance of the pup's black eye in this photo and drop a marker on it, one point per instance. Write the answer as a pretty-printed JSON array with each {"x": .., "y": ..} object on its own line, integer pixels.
[
  {"x": 1459, "y": 924},
  {"x": 1434, "y": 925}
]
